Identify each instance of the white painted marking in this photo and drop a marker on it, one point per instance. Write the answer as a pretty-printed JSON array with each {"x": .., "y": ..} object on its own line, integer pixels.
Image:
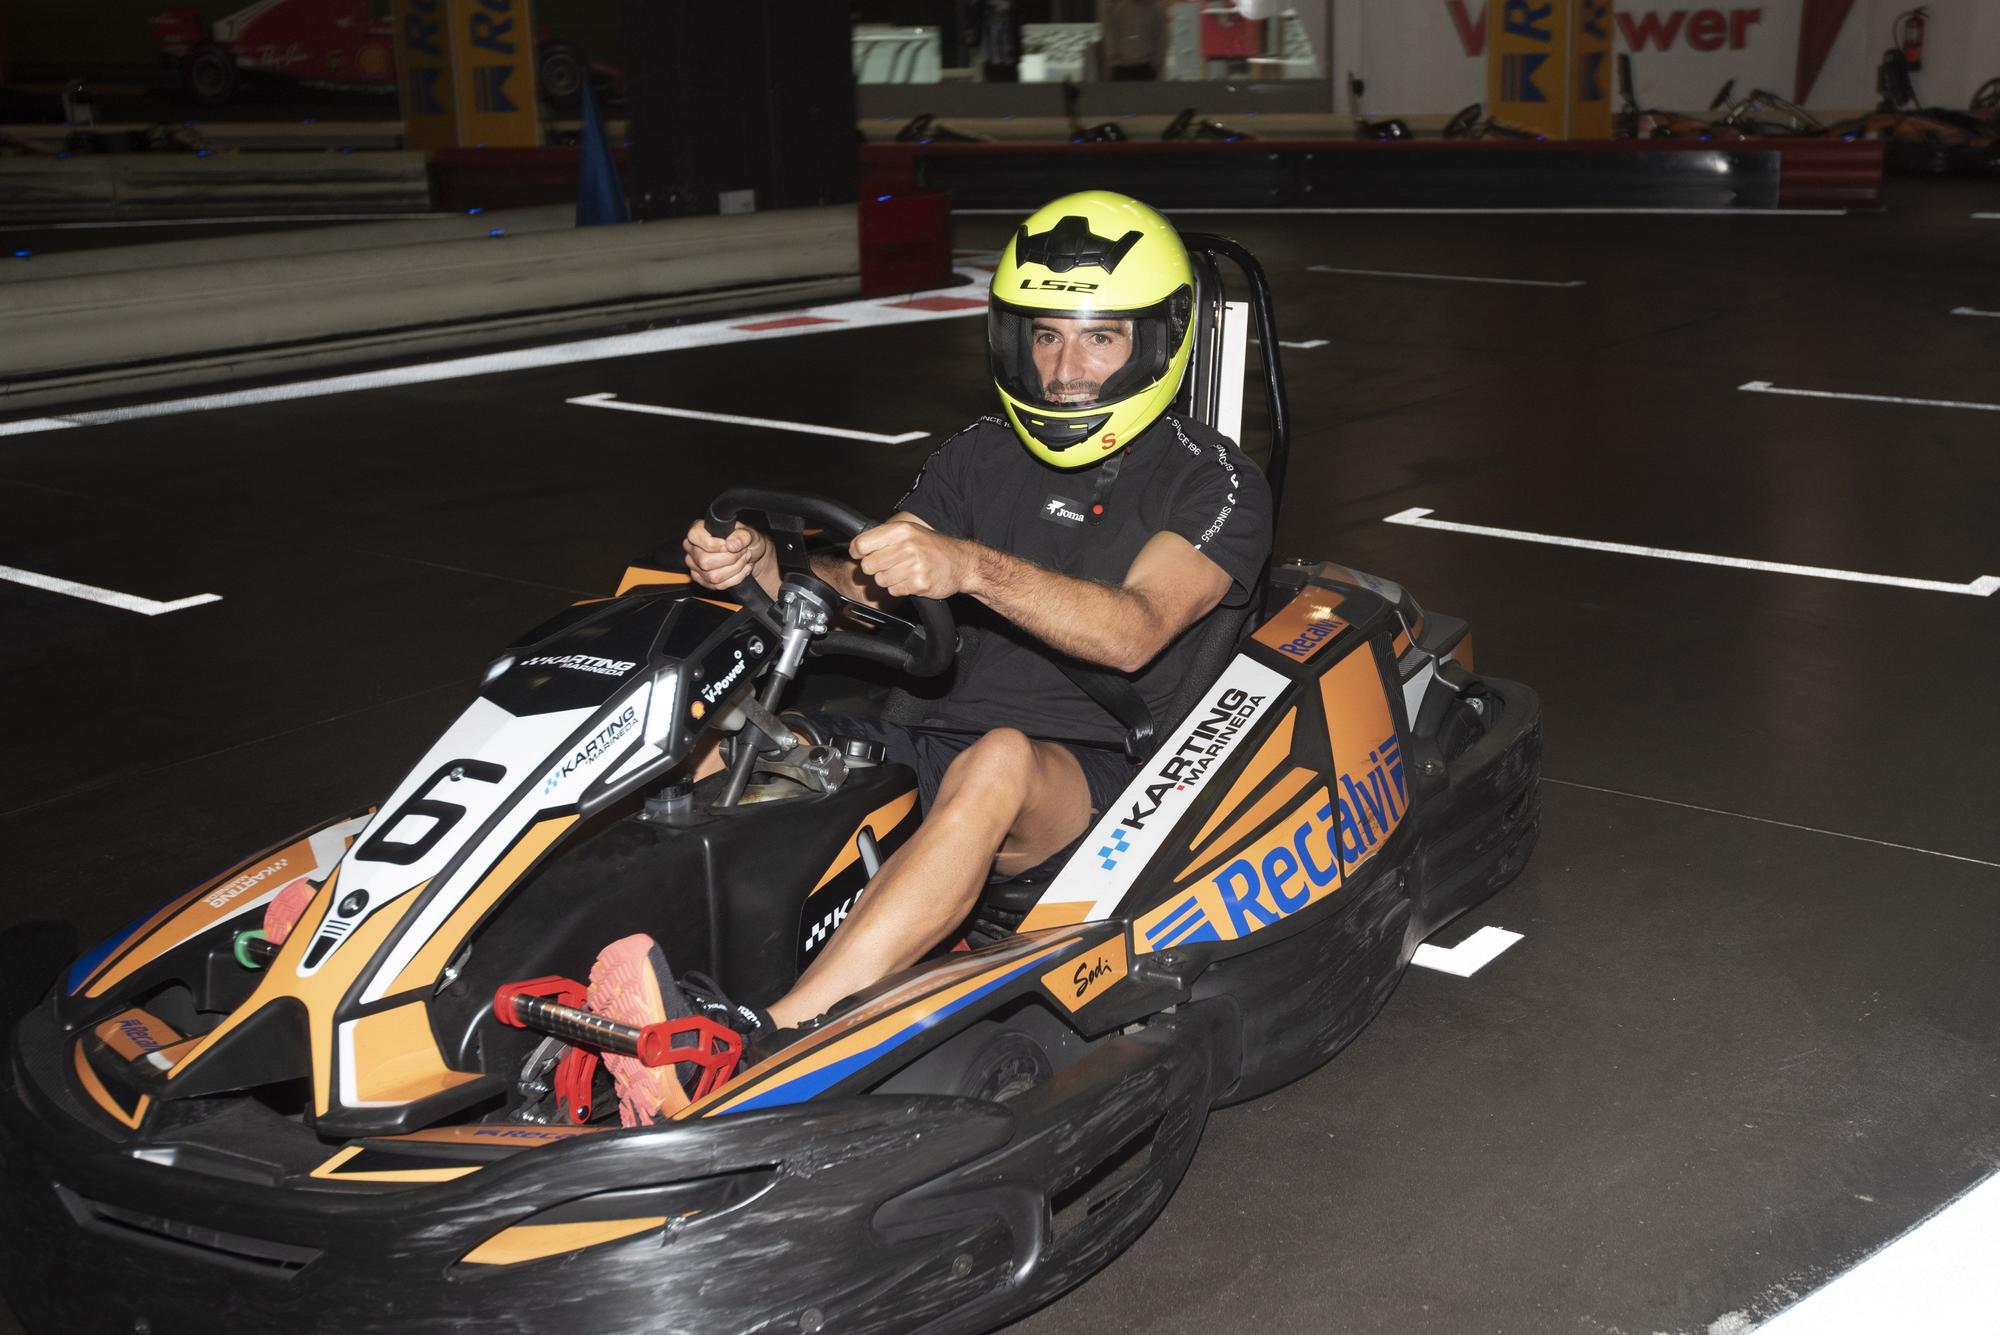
[
  {"x": 1782, "y": 824},
  {"x": 121, "y": 223},
  {"x": 1449, "y": 277},
  {"x": 1938, "y": 1278},
  {"x": 1308, "y": 343},
  {"x": 30, "y": 425},
  {"x": 731, "y": 419},
  {"x": 1499, "y": 212},
  {"x": 1469, "y": 956},
  {"x": 1986, "y": 215},
  {"x": 109, "y": 597},
  {"x": 1416, "y": 517},
  {"x": 1766, "y": 387},
  {"x": 1967, "y": 310},
  {"x": 872, "y": 313}
]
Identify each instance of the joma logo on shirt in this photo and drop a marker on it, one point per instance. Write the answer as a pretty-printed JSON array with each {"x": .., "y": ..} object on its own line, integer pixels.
[{"x": 1061, "y": 510}]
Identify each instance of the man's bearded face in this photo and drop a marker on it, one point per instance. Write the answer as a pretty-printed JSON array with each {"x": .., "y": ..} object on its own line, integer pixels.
[{"x": 1074, "y": 356}]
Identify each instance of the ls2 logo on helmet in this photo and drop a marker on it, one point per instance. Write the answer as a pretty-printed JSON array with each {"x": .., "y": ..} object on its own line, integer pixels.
[{"x": 1055, "y": 285}]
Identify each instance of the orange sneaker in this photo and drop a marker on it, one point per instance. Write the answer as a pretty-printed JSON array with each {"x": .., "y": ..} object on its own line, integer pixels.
[
  {"x": 283, "y": 912},
  {"x": 630, "y": 983}
]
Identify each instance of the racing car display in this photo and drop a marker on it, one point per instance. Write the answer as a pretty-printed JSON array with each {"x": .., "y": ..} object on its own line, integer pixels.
[
  {"x": 376, "y": 1117},
  {"x": 336, "y": 45}
]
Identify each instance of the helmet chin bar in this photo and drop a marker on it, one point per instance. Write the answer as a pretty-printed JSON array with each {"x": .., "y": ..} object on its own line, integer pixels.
[{"x": 1061, "y": 432}]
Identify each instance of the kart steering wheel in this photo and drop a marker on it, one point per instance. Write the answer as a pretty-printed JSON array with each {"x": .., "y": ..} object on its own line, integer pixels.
[
  {"x": 923, "y": 648},
  {"x": 1988, "y": 96},
  {"x": 1464, "y": 123}
]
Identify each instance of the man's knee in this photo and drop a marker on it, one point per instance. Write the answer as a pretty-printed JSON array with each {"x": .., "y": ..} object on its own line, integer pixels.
[{"x": 999, "y": 764}]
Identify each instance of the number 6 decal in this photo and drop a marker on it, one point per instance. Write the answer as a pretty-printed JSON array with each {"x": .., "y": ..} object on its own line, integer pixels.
[{"x": 383, "y": 846}]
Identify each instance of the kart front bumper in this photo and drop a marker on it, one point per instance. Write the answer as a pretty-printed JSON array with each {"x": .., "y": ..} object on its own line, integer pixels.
[{"x": 874, "y": 1213}]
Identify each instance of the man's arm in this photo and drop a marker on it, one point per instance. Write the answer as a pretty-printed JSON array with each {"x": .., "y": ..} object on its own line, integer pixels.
[
  {"x": 722, "y": 563},
  {"x": 843, "y": 571},
  {"x": 1169, "y": 587}
]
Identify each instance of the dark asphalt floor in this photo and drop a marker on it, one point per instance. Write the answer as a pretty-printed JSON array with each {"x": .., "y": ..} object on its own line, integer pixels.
[{"x": 1748, "y": 1037}]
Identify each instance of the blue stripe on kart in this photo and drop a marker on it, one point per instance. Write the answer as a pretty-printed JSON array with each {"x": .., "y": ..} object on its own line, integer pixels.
[
  {"x": 806, "y": 1086},
  {"x": 80, "y": 972},
  {"x": 1172, "y": 920},
  {"x": 1204, "y": 930}
]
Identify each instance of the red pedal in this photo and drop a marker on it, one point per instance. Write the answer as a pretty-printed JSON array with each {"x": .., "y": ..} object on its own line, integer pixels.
[{"x": 564, "y": 991}]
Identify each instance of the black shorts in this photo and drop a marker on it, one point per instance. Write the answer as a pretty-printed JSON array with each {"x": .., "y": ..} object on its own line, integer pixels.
[{"x": 930, "y": 751}]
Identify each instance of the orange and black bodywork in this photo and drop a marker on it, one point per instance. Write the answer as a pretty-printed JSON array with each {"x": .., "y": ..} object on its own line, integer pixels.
[{"x": 964, "y": 1142}]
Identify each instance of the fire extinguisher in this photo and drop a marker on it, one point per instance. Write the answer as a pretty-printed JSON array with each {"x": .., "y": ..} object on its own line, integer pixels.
[{"x": 1910, "y": 36}]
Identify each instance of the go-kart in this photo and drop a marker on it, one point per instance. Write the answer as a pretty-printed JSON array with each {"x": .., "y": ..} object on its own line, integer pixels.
[
  {"x": 386, "y": 1120},
  {"x": 1920, "y": 139}
]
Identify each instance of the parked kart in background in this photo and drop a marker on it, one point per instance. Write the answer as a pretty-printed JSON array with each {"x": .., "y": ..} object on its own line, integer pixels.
[
  {"x": 1925, "y": 140},
  {"x": 389, "y": 1120},
  {"x": 924, "y": 128},
  {"x": 1636, "y": 122},
  {"x": 1766, "y": 115},
  {"x": 338, "y": 45},
  {"x": 1189, "y": 123},
  {"x": 1471, "y": 123},
  {"x": 1985, "y": 103}
]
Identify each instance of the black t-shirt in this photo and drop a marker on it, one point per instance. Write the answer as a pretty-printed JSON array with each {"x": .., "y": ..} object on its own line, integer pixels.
[{"x": 1178, "y": 477}]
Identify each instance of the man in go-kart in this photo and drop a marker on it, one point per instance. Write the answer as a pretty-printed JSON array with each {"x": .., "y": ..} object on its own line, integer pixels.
[{"x": 1119, "y": 527}]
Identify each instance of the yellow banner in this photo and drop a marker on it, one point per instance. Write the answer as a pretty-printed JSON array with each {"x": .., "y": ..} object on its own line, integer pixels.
[
  {"x": 466, "y": 73},
  {"x": 1590, "y": 71},
  {"x": 1527, "y": 64},
  {"x": 493, "y": 64},
  {"x": 423, "y": 74}
]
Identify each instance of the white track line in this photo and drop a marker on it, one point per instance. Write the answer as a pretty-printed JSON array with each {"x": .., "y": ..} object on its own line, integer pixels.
[
  {"x": 1308, "y": 343},
  {"x": 872, "y": 313},
  {"x": 121, "y": 223},
  {"x": 731, "y": 419},
  {"x": 108, "y": 597},
  {"x": 1496, "y": 212},
  {"x": 28, "y": 426},
  {"x": 1448, "y": 277},
  {"x": 1766, "y": 387},
  {"x": 1938, "y": 1278},
  {"x": 1967, "y": 310},
  {"x": 1469, "y": 956},
  {"x": 1417, "y": 517},
  {"x": 1986, "y": 215},
  {"x": 1766, "y": 820}
]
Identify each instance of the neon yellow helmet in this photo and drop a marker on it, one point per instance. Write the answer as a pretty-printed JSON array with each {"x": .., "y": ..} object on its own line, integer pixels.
[{"x": 1085, "y": 256}]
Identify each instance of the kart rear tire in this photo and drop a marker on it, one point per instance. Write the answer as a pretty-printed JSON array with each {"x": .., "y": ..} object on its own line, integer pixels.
[{"x": 209, "y": 75}]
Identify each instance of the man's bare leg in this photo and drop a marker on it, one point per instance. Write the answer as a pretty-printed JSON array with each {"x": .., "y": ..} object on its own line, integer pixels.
[{"x": 1006, "y": 802}]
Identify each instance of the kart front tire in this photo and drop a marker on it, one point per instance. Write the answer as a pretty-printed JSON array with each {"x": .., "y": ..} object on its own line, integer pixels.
[{"x": 990, "y": 1060}]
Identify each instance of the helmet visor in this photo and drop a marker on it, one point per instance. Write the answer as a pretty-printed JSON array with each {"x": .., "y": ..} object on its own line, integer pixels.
[{"x": 1069, "y": 360}]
